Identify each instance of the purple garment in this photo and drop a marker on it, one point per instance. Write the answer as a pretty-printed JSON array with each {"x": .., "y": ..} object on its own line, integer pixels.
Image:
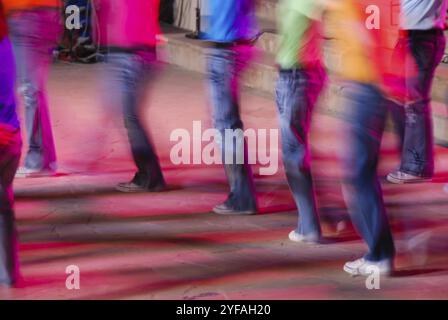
[{"x": 8, "y": 113}]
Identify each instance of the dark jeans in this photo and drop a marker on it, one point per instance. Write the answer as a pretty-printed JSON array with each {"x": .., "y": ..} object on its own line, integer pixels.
[
  {"x": 224, "y": 70},
  {"x": 297, "y": 92},
  {"x": 34, "y": 34},
  {"x": 413, "y": 121},
  {"x": 365, "y": 113},
  {"x": 130, "y": 75}
]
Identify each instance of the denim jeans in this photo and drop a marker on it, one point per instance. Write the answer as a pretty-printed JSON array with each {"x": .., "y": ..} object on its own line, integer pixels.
[
  {"x": 365, "y": 114},
  {"x": 34, "y": 34},
  {"x": 296, "y": 94},
  {"x": 413, "y": 121},
  {"x": 129, "y": 77},
  {"x": 9, "y": 161},
  {"x": 224, "y": 70}
]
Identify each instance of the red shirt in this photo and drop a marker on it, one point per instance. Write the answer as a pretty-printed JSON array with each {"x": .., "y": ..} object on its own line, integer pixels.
[{"x": 3, "y": 30}]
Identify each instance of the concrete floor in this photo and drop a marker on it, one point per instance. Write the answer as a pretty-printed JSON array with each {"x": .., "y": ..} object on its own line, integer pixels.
[{"x": 169, "y": 246}]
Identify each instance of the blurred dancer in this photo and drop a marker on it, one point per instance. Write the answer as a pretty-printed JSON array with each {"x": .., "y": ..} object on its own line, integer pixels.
[
  {"x": 10, "y": 149},
  {"x": 231, "y": 26},
  {"x": 128, "y": 30},
  {"x": 301, "y": 79},
  {"x": 34, "y": 27},
  {"x": 422, "y": 25},
  {"x": 362, "y": 68}
]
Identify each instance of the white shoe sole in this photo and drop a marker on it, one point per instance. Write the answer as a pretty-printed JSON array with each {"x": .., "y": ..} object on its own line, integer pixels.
[
  {"x": 294, "y": 237},
  {"x": 352, "y": 272},
  {"x": 37, "y": 174},
  {"x": 356, "y": 273},
  {"x": 407, "y": 181}
]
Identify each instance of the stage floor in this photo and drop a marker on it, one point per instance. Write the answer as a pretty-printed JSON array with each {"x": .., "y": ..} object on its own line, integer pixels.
[{"x": 169, "y": 246}]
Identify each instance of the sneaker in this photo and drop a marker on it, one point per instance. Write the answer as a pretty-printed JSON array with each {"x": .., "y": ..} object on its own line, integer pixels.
[
  {"x": 131, "y": 187},
  {"x": 399, "y": 177},
  {"x": 363, "y": 267},
  {"x": 297, "y": 237},
  {"x": 23, "y": 172},
  {"x": 225, "y": 209}
]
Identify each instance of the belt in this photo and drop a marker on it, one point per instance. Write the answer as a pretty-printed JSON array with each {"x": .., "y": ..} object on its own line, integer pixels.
[
  {"x": 309, "y": 66},
  {"x": 226, "y": 45},
  {"x": 434, "y": 31},
  {"x": 113, "y": 49}
]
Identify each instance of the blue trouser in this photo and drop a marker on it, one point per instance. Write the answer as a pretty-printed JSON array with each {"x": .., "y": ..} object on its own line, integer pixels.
[
  {"x": 413, "y": 121},
  {"x": 297, "y": 92},
  {"x": 365, "y": 113},
  {"x": 224, "y": 70},
  {"x": 34, "y": 34},
  {"x": 129, "y": 76},
  {"x": 9, "y": 161}
]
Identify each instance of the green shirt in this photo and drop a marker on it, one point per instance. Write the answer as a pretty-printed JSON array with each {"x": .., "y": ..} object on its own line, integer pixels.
[{"x": 295, "y": 19}]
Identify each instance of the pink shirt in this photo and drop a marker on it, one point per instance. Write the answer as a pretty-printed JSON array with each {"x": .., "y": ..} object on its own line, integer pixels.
[{"x": 128, "y": 23}]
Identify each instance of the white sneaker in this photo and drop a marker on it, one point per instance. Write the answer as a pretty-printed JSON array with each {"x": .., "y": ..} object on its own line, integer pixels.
[
  {"x": 362, "y": 267},
  {"x": 297, "y": 237},
  {"x": 23, "y": 172},
  {"x": 399, "y": 177}
]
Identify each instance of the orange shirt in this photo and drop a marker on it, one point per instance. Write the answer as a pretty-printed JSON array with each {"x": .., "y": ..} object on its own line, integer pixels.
[
  {"x": 364, "y": 52},
  {"x": 15, "y": 5}
]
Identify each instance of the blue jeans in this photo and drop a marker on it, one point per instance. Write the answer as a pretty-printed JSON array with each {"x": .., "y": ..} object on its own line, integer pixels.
[
  {"x": 34, "y": 34},
  {"x": 413, "y": 121},
  {"x": 297, "y": 92},
  {"x": 129, "y": 76},
  {"x": 224, "y": 70},
  {"x": 365, "y": 114},
  {"x": 9, "y": 161}
]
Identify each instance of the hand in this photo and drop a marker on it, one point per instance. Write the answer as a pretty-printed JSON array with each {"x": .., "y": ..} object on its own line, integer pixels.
[{"x": 7, "y": 134}]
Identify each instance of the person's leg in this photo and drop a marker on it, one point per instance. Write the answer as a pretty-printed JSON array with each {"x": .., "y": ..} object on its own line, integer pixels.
[
  {"x": 9, "y": 160},
  {"x": 296, "y": 93},
  {"x": 365, "y": 117},
  {"x": 398, "y": 116},
  {"x": 131, "y": 74},
  {"x": 224, "y": 67},
  {"x": 34, "y": 34},
  {"x": 9, "y": 262},
  {"x": 418, "y": 154},
  {"x": 396, "y": 108}
]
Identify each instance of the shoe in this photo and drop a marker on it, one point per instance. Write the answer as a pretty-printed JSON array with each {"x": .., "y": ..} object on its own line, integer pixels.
[
  {"x": 363, "y": 267},
  {"x": 225, "y": 209},
  {"x": 297, "y": 237},
  {"x": 131, "y": 187},
  {"x": 399, "y": 177},
  {"x": 23, "y": 172}
]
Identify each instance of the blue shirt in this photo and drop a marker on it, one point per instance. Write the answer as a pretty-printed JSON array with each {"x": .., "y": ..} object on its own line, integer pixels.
[
  {"x": 423, "y": 14},
  {"x": 8, "y": 113},
  {"x": 230, "y": 20}
]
